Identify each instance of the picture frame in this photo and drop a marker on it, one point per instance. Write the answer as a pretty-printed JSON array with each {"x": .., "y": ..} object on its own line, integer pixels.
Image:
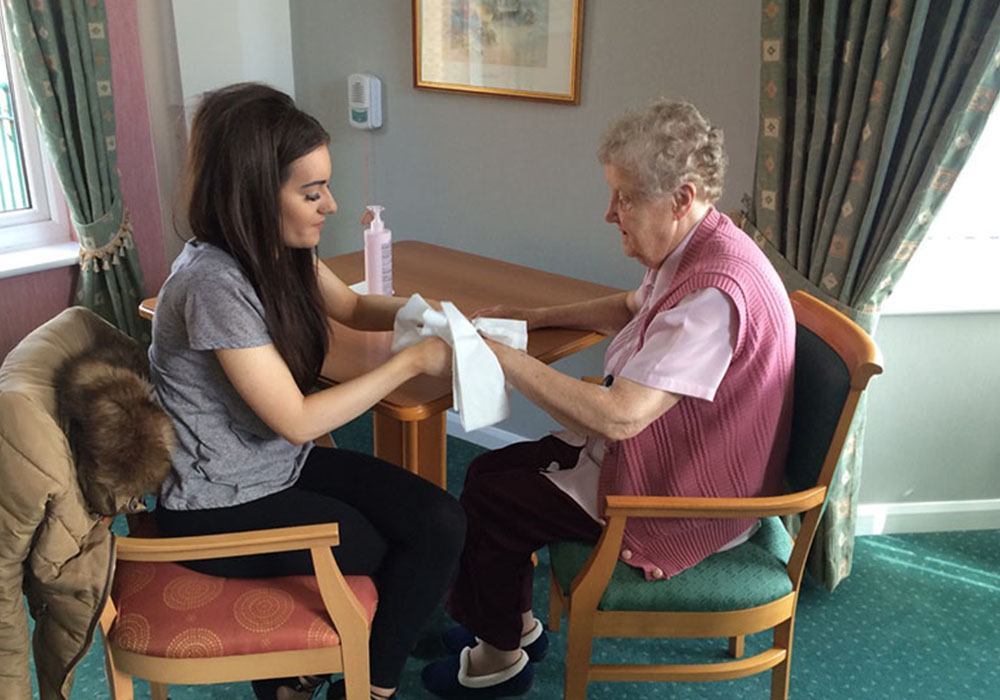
[{"x": 528, "y": 49}]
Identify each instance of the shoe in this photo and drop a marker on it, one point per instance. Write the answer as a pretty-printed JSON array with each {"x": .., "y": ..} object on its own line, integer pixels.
[
  {"x": 535, "y": 641},
  {"x": 306, "y": 687},
  {"x": 338, "y": 691},
  {"x": 448, "y": 678}
]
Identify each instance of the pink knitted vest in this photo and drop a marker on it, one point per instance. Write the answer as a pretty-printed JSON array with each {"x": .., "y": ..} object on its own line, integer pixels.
[{"x": 733, "y": 446}]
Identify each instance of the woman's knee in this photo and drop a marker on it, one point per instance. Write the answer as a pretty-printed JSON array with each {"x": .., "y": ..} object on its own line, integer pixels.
[
  {"x": 480, "y": 464},
  {"x": 476, "y": 495},
  {"x": 518, "y": 457},
  {"x": 489, "y": 496},
  {"x": 444, "y": 524}
]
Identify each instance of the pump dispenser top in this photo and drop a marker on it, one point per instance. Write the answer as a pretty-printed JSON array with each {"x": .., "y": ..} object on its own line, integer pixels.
[
  {"x": 376, "y": 222},
  {"x": 378, "y": 253}
]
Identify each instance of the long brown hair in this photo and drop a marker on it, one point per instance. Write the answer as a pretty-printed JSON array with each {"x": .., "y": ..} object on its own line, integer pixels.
[{"x": 244, "y": 138}]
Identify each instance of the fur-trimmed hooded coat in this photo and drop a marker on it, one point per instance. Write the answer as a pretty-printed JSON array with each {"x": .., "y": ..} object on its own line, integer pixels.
[{"x": 52, "y": 547}]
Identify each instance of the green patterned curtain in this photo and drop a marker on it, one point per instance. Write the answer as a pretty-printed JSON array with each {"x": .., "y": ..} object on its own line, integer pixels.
[
  {"x": 868, "y": 110},
  {"x": 63, "y": 49}
]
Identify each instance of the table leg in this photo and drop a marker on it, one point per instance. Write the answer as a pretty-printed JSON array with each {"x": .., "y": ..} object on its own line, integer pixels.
[{"x": 417, "y": 446}]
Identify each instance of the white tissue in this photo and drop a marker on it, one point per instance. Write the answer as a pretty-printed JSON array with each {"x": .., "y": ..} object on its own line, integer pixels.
[
  {"x": 509, "y": 331},
  {"x": 477, "y": 380}
]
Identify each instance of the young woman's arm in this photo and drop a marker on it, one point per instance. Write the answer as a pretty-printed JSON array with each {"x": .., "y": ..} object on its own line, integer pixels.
[
  {"x": 261, "y": 377},
  {"x": 360, "y": 311}
]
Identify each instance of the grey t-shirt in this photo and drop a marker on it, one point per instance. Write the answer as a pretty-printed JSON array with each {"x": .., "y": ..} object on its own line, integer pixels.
[{"x": 225, "y": 454}]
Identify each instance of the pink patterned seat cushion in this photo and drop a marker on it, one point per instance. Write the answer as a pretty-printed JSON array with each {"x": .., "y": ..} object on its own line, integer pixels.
[{"x": 167, "y": 610}]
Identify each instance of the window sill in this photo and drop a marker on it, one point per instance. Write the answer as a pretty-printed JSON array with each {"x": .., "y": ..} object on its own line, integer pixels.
[
  {"x": 23, "y": 262},
  {"x": 939, "y": 310}
]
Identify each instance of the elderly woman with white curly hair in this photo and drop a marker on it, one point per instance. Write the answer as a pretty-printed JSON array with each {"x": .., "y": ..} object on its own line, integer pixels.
[{"x": 695, "y": 402}]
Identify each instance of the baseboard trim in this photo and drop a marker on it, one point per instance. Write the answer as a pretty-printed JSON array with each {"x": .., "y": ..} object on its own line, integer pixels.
[
  {"x": 929, "y": 516},
  {"x": 490, "y": 438}
]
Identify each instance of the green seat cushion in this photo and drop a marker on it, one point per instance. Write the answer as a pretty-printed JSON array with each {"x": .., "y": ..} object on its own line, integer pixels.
[{"x": 743, "y": 577}]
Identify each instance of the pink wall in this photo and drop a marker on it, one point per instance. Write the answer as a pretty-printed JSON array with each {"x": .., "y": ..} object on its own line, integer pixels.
[
  {"x": 27, "y": 301},
  {"x": 135, "y": 142}
]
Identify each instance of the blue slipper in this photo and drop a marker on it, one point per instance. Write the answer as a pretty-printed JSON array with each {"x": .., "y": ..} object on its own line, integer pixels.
[
  {"x": 535, "y": 642},
  {"x": 337, "y": 690},
  {"x": 267, "y": 689},
  {"x": 448, "y": 678}
]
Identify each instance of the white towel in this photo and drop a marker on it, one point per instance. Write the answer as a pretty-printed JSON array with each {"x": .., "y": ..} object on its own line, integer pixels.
[{"x": 477, "y": 381}]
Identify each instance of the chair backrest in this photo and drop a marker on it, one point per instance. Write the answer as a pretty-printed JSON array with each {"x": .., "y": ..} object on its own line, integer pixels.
[
  {"x": 834, "y": 360},
  {"x": 822, "y": 381},
  {"x": 31, "y": 379},
  {"x": 29, "y": 369},
  {"x": 67, "y": 555},
  {"x": 29, "y": 417}
]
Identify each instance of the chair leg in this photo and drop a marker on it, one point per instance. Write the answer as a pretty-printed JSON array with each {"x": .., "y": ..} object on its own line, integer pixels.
[
  {"x": 579, "y": 642},
  {"x": 159, "y": 691},
  {"x": 736, "y": 646},
  {"x": 354, "y": 654},
  {"x": 780, "y": 674},
  {"x": 555, "y": 604},
  {"x": 119, "y": 683}
]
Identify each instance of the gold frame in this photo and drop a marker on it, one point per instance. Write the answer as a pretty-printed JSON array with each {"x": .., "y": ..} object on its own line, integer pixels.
[{"x": 559, "y": 84}]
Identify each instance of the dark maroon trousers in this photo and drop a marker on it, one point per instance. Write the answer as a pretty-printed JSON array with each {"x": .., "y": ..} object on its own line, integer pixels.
[{"x": 511, "y": 510}]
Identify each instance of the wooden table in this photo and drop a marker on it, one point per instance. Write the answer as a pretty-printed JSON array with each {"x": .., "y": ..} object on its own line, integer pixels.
[{"x": 409, "y": 423}]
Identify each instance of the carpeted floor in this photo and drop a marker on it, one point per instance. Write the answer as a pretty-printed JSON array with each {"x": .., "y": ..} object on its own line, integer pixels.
[{"x": 916, "y": 619}]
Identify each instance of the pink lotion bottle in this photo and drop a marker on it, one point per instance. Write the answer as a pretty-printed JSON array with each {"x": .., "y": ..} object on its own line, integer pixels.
[{"x": 378, "y": 254}]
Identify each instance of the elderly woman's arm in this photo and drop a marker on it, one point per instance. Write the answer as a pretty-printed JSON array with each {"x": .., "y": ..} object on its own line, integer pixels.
[
  {"x": 617, "y": 412},
  {"x": 606, "y": 315}
]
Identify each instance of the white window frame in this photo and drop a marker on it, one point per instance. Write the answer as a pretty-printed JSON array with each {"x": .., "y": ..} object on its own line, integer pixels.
[
  {"x": 954, "y": 268},
  {"x": 45, "y": 226}
]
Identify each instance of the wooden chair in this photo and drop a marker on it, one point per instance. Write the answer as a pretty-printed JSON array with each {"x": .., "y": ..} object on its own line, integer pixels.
[
  {"x": 748, "y": 589},
  {"x": 162, "y": 621},
  {"x": 168, "y": 624}
]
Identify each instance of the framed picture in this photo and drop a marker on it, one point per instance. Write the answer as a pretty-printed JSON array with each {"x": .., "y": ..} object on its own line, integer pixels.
[{"x": 513, "y": 48}]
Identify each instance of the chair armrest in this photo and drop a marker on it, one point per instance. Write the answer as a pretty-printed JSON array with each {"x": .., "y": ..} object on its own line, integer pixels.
[
  {"x": 679, "y": 507},
  {"x": 590, "y": 582},
  {"x": 235, "y": 544}
]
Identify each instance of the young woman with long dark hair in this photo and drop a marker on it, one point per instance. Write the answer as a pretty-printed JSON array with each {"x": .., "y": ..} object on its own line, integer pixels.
[{"x": 239, "y": 337}]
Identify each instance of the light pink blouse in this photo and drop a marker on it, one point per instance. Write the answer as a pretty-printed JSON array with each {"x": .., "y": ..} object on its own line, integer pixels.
[{"x": 687, "y": 351}]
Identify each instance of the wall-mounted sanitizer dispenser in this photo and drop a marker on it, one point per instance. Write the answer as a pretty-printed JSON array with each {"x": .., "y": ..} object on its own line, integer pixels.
[{"x": 364, "y": 101}]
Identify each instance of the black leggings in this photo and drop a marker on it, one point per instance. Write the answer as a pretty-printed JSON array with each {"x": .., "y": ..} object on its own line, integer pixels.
[{"x": 399, "y": 529}]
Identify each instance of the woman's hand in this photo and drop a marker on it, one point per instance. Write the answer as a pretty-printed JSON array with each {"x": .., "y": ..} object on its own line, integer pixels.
[
  {"x": 431, "y": 356},
  {"x": 499, "y": 349},
  {"x": 606, "y": 315},
  {"x": 504, "y": 311}
]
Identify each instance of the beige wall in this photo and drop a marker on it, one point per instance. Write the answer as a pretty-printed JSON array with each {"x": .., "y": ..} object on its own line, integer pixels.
[{"x": 517, "y": 179}]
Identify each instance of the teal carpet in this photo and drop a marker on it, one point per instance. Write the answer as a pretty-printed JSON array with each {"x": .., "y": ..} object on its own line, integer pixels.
[{"x": 917, "y": 618}]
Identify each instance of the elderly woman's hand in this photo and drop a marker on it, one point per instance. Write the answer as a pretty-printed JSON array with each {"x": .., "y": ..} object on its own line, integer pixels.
[
  {"x": 504, "y": 353},
  {"x": 531, "y": 316},
  {"x": 496, "y": 346}
]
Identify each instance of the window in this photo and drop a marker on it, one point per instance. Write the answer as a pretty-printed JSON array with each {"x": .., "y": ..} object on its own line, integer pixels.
[
  {"x": 954, "y": 268},
  {"x": 32, "y": 209}
]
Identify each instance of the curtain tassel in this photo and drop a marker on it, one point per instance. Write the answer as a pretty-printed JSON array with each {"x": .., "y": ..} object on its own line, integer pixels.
[{"x": 110, "y": 253}]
